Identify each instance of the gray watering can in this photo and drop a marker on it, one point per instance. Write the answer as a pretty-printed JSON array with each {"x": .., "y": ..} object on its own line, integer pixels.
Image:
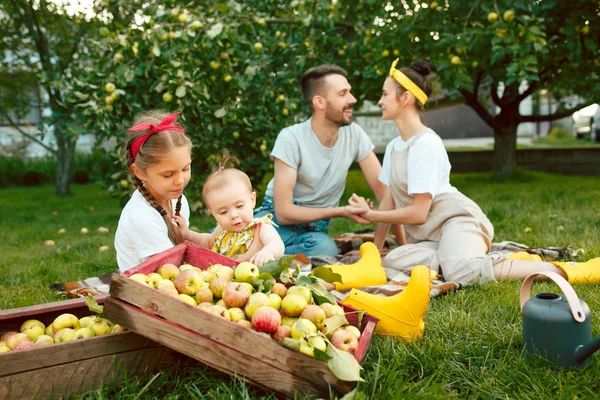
[{"x": 557, "y": 326}]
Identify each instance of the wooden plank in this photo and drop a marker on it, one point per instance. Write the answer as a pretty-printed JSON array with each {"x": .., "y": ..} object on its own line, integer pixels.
[
  {"x": 230, "y": 360},
  {"x": 221, "y": 331},
  {"x": 62, "y": 380}
]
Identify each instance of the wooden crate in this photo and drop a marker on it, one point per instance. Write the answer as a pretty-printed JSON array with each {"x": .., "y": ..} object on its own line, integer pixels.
[
  {"x": 219, "y": 343},
  {"x": 62, "y": 369}
]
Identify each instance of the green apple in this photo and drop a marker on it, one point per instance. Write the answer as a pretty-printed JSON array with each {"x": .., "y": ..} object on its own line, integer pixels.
[
  {"x": 168, "y": 290},
  {"x": 245, "y": 323},
  {"x": 318, "y": 343},
  {"x": 165, "y": 282},
  {"x": 353, "y": 330},
  {"x": 101, "y": 326},
  {"x": 186, "y": 298},
  {"x": 385, "y": 53},
  {"x": 109, "y": 87},
  {"x": 217, "y": 286},
  {"x": 207, "y": 276},
  {"x": 168, "y": 271},
  {"x": 225, "y": 272},
  {"x": 84, "y": 322},
  {"x": 183, "y": 18},
  {"x": 221, "y": 303},
  {"x": 246, "y": 272},
  {"x": 275, "y": 301},
  {"x": 154, "y": 278},
  {"x": 248, "y": 286},
  {"x": 167, "y": 97},
  {"x": 5, "y": 349},
  {"x": 83, "y": 333},
  {"x": 43, "y": 340},
  {"x": 236, "y": 314},
  {"x": 455, "y": 60},
  {"x": 195, "y": 25},
  {"x": 332, "y": 309},
  {"x": 492, "y": 17},
  {"x": 34, "y": 332},
  {"x": 306, "y": 348},
  {"x": 258, "y": 46},
  {"x": 118, "y": 328},
  {"x": 30, "y": 323},
  {"x": 183, "y": 267},
  {"x": 227, "y": 78},
  {"x": 64, "y": 335},
  {"x": 118, "y": 57},
  {"x": 256, "y": 301},
  {"x": 65, "y": 321},
  {"x": 288, "y": 321},
  {"x": 508, "y": 15},
  {"x": 204, "y": 294},
  {"x": 314, "y": 314},
  {"x": 220, "y": 311},
  {"x": 302, "y": 291},
  {"x": 214, "y": 64},
  {"x": 292, "y": 305},
  {"x": 141, "y": 278}
]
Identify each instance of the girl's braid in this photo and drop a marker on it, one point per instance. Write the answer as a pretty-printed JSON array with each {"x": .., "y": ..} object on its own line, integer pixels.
[
  {"x": 178, "y": 206},
  {"x": 140, "y": 185}
]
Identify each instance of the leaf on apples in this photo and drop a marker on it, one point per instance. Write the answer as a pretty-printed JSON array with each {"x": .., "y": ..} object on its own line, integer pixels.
[
  {"x": 343, "y": 364},
  {"x": 321, "y": 355},
  {"x": 276, "y": 267},
  {"x": 326, "y": 274},
  {"x": 93, "y": 305},
  {"x": 359, "y": 318},
  {"x": 334, "y": 323}
]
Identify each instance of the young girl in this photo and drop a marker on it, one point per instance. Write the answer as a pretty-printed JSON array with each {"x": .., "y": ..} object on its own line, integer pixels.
[
  {"x": 158, "y": 156},
  {"x": 445, "y": 230},
  {"x": 229, "y": 198}
]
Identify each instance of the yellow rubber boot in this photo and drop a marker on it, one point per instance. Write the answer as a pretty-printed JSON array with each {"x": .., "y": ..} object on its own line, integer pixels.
[
  {"x": 523, "y": 255},
  {"x": 367, "y": 271},
  {"x": 401, "y": 314},
  {"x": 586, "y": 272}
]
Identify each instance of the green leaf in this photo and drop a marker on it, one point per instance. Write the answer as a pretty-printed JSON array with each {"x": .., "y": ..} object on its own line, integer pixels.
[
  {"x": 320, "y": 294},
  {"x": 354, "y": 395},
  {"x": 326, "y": 274},
  {"x": 156, "y": 50},
  {"x": 343, "y": 364},
  {"x": 321, "y": 355},
  {"x": 359, "y": 318},
  {"x": 93, "y": 305},
  {"x": 334, "y": 323},
  {"x": 275, "y": 267},
  {"x": 290, "y": 343},
  {"x": 215, "y": 30}
]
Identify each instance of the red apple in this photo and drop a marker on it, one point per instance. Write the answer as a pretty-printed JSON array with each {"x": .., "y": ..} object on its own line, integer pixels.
[
  {"x": 266, "y": 319},
  {"x": 314, "y": 314},
  {"x": 23, "y": 345},
  {"x": 188, "y": 282},
  {"x": 283, "y": 331},
  {"x": 235, "y": 295},
  {"x": 344, "y": 340},
  {"x": 279, "y": 289},
  {"x": 13, "y": 340},
  {"x": 204, "y": 295},
  {"x": 353, "y": 330}
]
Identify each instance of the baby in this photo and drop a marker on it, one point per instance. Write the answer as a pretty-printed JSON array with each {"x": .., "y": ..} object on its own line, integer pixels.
[{"x": 229, "y": 198}]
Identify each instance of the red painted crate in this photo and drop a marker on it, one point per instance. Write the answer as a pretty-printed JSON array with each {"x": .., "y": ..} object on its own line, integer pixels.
[
  {"x": 62, "y": 369},
  {"x": 221, "y": 344}
]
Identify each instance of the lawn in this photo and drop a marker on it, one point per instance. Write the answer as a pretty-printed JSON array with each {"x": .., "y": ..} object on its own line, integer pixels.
[{"x": 472, "y": 346}]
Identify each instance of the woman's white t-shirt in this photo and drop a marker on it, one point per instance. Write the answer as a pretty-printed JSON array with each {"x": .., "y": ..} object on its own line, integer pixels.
[
  {"x": 428, "y": 164},
  {"x": 142, "y": 231}
]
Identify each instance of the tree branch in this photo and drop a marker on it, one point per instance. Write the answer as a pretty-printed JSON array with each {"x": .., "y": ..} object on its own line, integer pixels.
[
  {"x": 494, "y": 92},
  {"x": 15, "y": 126},
  {"x": 552, "y": 117},
  {"x": 471, "y": 100}
]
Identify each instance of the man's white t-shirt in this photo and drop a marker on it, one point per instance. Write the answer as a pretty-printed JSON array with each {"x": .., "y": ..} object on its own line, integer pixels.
[
  {"x": 428, "y": 164},
  {"x": 321, "y": 171},
  {"x": 142, "y": 231}
]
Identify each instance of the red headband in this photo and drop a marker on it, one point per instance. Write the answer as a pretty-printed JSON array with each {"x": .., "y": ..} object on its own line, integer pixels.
[{"x": 164, "y": 125}]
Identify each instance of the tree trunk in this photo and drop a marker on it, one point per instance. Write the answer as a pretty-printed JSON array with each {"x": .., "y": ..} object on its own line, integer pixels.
[
  {"x": 64, "y": 163},
  {"x": 505, "y": 146}
]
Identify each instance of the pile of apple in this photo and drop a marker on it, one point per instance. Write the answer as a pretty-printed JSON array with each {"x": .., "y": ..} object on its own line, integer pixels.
[
  {"x": 282, "y": 312},
  {"x": 64, "y": 328}
]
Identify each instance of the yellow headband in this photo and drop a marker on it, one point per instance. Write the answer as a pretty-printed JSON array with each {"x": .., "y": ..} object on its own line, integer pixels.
[{"x": 407, "y": 84}]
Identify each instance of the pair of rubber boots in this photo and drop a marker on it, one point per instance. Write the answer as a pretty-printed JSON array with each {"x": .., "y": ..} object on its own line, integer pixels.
[
  {"x": 585, "y": 272},
  {"x": 399, "y": 315}
]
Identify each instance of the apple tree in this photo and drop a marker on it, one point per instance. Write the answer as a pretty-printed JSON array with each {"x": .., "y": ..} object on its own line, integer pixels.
[
  {"x": 499, "y": 52},
  {"x": 44, "y": 45}
]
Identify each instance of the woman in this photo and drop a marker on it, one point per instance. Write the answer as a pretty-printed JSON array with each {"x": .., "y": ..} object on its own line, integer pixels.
[{"x": 445, "y": 230}]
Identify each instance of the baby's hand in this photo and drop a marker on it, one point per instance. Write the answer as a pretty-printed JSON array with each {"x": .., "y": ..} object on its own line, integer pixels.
[
  {"x": 262, "y": 257},
  {"x": 182, "y": 223}
]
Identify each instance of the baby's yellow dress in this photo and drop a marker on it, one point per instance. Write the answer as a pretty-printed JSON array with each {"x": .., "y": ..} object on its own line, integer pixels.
[{"x": 235, "y": 243}]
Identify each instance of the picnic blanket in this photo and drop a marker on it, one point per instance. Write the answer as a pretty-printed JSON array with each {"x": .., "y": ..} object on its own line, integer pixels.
[{"x": 348, "y": 245}]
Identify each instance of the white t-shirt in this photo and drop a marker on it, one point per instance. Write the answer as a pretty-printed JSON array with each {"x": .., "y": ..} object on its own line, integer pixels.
[
  {"x": 142, "y": 231},
  {"x": 428, "y": 164},
  {"x": 322, "y": 171}
]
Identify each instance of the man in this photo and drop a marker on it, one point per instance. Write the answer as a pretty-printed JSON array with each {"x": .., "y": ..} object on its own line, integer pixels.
[{"x": 312, "y": 159}]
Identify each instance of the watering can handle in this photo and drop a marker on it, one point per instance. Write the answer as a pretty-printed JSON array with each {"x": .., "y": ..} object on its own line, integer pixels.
[{"x": 572, "y": 299}]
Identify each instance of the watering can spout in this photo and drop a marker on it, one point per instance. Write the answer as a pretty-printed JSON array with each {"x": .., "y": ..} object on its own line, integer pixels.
[{"x": 584, "y": 351}]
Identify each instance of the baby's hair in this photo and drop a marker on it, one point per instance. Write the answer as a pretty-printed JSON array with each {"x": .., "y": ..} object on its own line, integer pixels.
[
  {"x": 224, "y": 175},
  {"x": 418, "y": 72},
  {"x": 151, "y": 152}
]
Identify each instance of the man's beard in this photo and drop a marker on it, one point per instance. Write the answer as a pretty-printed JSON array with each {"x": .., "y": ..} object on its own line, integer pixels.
[{"x": 338, "y": 117}]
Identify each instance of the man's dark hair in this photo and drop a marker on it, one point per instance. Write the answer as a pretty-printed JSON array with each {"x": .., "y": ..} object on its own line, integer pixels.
[{"x": 312, "y": 80}]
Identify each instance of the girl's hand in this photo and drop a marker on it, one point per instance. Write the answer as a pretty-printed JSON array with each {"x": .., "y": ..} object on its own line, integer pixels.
[
  {"x": 360, "y": 202},
  {"x": 262, "y": 257},
  {"x": 182, "y": 223}
]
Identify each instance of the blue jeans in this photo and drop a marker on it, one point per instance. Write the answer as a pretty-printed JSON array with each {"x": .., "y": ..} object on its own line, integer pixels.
[{"x": 310, "y": 238}]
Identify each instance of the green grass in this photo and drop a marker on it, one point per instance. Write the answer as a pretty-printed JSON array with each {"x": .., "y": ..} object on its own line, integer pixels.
[{"x": 472, "y": 346}]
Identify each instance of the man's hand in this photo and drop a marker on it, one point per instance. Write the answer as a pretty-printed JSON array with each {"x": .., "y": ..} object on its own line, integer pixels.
[{"x": 356, "y": 214}]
